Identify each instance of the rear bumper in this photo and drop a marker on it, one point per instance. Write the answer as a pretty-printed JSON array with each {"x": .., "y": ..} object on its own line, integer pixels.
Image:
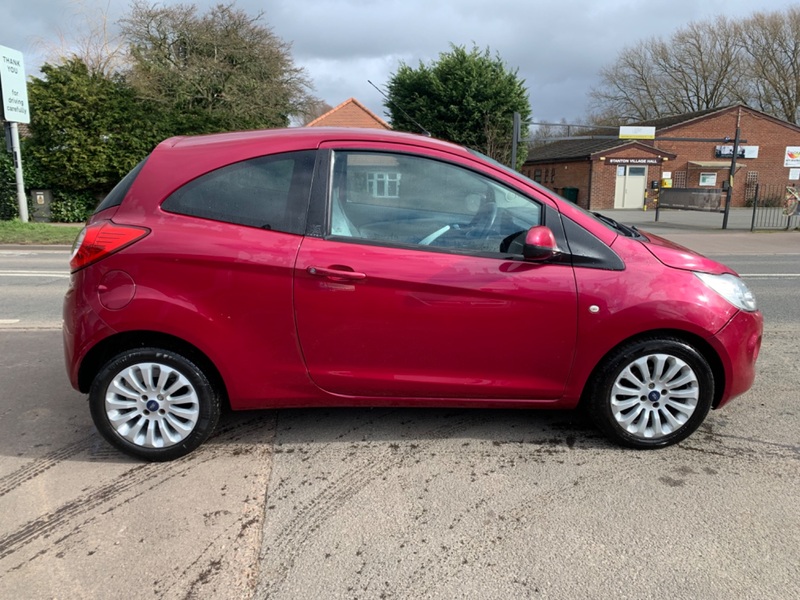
[
  {"x": 81, "y": 329},
  {"x": 738, "y": 345}
]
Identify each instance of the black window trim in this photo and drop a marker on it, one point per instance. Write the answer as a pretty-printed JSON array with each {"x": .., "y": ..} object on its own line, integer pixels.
[{"x": 118, "y": 193}]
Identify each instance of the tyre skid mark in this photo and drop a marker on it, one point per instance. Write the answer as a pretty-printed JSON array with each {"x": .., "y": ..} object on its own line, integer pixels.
[
  {"x": 47, "y": 524},
  {"x": 38, "y": 466},
  {"x": 426, "y": 573},
  {"x": 42, "y": 464},
  {"x": 213, "y": 561},
  {"x": 155, "y": 473},
  {"x": 310, "y": 517},
  {"x": 709, "y": 440}
]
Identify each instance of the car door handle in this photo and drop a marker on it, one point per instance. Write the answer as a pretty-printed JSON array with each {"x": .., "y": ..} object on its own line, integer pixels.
[{"x": 337, "y": 272}]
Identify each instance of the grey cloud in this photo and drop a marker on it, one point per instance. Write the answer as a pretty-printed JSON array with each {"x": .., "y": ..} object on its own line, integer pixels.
[{"x": 557, "y": 47}]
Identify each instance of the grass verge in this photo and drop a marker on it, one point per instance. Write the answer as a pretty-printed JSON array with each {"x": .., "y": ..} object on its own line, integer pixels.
[{"x": 17, "y": 232}]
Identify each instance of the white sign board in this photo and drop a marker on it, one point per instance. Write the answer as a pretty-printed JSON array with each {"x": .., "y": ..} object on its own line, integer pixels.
[
  {"x": 637, "y": 133},
  {"x": 792, "y": 156},
  {"x": 14, "y": 86}
]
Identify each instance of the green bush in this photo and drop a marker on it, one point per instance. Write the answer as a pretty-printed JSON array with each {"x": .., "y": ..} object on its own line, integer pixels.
[
  {"x": 67, "y": 206},
  {"x": 71, "y": 207}
]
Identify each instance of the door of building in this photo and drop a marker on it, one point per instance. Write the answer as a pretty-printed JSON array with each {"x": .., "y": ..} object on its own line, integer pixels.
[{"x": 631, "y": 186}]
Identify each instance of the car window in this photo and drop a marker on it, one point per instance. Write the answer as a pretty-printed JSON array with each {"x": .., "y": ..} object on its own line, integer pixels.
[
  {"x": 402, "y": 199},
  {"x": 270, "y": 192},
  {"x": 117, "y": 195}
]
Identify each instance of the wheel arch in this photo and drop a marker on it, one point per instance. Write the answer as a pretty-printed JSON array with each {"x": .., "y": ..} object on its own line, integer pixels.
[
  {"x": 129, "y": 340},
  {"x": 697, "y": 342}
]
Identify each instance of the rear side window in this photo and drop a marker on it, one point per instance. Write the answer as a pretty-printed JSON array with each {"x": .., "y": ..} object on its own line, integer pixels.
[
  {"x": 120, "y": 190},
  {"x": 270, "y": 192}
]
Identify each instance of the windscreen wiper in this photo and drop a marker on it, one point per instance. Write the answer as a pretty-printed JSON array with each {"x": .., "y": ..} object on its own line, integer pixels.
[{"x": 626, "y": 230}]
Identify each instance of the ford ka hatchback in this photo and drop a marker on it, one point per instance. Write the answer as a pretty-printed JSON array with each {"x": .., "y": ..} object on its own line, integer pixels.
[{"x": 341, "y": 267}]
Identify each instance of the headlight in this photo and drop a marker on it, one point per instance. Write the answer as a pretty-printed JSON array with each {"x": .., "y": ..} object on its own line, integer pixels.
[{"x": 731, "y": 288}]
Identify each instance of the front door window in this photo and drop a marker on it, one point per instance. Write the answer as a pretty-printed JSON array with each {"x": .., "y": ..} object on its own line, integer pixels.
[{"x": 410, "y": 200}]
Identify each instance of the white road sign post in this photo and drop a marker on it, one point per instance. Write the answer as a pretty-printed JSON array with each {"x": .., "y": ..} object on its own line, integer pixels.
[{"x": 14, "y": 89}]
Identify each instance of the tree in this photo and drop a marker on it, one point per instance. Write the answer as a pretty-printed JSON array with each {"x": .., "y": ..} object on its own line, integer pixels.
[
  {"x": 88, "y": 38},
  {"x": 315, "y": 109},
  {"x": 770, "y": 43},
  {"x": 704, "y": 65},
  {"x": 218, "y": 71},
  {"x": 696, "y": 69},
  {"x": 467, "y": 97},
  {"x": 87, "y": 130}
]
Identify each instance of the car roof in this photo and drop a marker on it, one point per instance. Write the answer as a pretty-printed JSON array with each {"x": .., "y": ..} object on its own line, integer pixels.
[
  {"x": 177, "y": 160},
  {"x": 309, "y": 137}
]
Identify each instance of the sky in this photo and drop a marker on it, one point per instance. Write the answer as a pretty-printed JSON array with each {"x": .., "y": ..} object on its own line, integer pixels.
[{"x": 558, "y": 47}]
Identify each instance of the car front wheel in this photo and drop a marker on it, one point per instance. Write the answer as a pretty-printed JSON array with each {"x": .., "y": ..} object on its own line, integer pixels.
[
  {"x": 153, "y": 404},
  {"x": 652, "y": 393}
]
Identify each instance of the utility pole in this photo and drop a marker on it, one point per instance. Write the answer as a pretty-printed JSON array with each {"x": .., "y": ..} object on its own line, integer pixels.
[
  {"x": 22, "y": 200},
  {"x": 517, "y": 129},
  {"x": 729, "y": 191}
]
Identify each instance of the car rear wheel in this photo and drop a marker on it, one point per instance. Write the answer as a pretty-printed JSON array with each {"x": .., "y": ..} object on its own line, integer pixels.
[
  {"x": 652, "y": 393},
  {"x": 153, "y": 404}
]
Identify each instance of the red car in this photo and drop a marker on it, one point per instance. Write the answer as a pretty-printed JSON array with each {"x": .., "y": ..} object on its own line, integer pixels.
[{"x": 333, "y": 267}]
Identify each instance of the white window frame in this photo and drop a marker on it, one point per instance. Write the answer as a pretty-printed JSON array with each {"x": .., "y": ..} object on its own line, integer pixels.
[
  {"x": 381, "y": 184},
  {"x": 708, "y": 180}
]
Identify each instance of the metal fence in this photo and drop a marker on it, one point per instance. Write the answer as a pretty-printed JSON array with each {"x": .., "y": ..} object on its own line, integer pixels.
[
  {"x": 773, "y": 207},
  {"x": 710, "y": 199}
]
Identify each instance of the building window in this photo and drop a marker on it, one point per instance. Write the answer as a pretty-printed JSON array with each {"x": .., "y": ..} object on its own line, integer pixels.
[
  {"x": 537, "y": 175},
  {"x": 708, "y": 179},
  {"x": 679, "y": 179},
  {"x": 383, "y": 185}
]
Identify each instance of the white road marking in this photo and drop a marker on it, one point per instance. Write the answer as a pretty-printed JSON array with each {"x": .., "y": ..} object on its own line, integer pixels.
[
  {"x": 34, "y": 274},
  {"x": 771, "y": 275}
]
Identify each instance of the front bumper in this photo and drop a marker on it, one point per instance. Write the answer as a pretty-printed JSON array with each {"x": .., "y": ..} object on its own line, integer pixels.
[{"x": 738, "y": 345}]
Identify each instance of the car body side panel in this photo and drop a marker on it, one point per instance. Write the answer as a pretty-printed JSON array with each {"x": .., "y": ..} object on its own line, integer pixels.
[
  {"x": 614, "y": 306},
  {"x": 434, "y": 324},
  {"x": 225, "y": 289}
]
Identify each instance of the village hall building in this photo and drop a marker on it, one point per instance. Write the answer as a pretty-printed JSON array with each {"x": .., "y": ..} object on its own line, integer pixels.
[{"x": 601, "y": 174}]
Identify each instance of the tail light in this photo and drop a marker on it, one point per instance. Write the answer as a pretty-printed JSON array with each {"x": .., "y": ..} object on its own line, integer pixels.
[{"x": 102, "y": 239}]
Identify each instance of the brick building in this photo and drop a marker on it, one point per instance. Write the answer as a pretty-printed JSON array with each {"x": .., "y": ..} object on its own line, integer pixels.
[{"x": 617, "y": 173}]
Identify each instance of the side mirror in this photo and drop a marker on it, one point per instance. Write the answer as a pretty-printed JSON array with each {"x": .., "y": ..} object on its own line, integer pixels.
[{"x": 540, "y": 244}]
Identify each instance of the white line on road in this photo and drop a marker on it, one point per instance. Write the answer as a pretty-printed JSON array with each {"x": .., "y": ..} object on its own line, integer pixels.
[
  {"x": 8, "y": 321},
  {"x": 34, "y": 274},
  {"x": 33, "y": 252},
  {"x": 774, "y": 275}
]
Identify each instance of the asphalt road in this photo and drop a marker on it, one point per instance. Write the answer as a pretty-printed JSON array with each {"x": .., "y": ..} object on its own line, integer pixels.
[
  {"x": 397, "y": 503},
  {"x": 32, "y": 285}
]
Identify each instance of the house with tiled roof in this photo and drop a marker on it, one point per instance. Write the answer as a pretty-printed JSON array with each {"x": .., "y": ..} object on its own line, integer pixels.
[
  {"x": 350, "y": 113},
  {"x": 691, "y": 150}
]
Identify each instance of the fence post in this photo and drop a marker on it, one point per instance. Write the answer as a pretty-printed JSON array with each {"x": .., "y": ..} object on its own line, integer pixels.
[{"x": 755, "y": 207}]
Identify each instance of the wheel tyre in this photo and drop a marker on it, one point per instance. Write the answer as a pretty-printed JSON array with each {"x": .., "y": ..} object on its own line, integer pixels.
[
  {"x": 651, "y": 393},
  {"x": 153, "y": 404}
]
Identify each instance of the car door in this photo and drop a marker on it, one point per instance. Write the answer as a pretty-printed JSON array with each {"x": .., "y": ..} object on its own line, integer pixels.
[{"x": 415, "y": 290}]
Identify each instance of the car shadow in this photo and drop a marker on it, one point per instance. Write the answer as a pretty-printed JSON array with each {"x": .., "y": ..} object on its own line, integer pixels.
[{"x": 285, "y": 428}]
